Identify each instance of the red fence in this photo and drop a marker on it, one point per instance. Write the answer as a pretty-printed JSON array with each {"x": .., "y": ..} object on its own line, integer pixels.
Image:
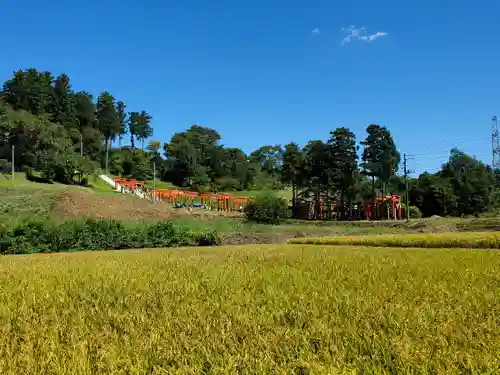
[
  {"x": 218, "y": 202},
  {"x": 128, "y": 183}
]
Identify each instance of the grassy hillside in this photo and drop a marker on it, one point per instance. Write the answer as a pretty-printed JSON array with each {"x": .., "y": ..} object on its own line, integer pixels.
[
  {"x": 259, "y": 309},
  {"x": 22, "y": 200}
]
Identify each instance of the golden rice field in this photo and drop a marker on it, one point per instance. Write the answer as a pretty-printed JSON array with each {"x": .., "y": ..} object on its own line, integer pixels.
[
  {"x": 474, "y": 240},
  {"x": 288, "y": 309}
]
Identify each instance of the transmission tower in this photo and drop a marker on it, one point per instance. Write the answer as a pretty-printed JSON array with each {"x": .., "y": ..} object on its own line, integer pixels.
[{"x": 495, "y": 143}]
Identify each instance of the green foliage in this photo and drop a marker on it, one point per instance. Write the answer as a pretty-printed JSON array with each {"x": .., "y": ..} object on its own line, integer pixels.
[
  {"x": 33, "y": 237},
  {"x": 139, "y": 126},
  {"x": 194, "y": 158},
  {"x": 30, "y": 90},
  {"x": 50, "y": 125},
  {"x": 121, "y": 115},
  {"x": 292, "y": 170},
  {"x": 380, "y": 156},
  {"x": 133, "y": 163},
  {"x": 5, "y": 166},
  {"x": 270, "y": 159},
  {"x": 42, "y": 115},
  {"x": 63, "y": 167},
  {"x": 344, "y": 166},
  {"x": 415, "y": 212},
  {"x": 267, "y": 208},
  {"x": 463, "y": 187}
]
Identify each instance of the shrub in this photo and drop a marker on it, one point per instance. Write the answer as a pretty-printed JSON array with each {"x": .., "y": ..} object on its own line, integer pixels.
[
  {"x": 31, "y": 176},
  {"x": 268, "y": 209},
  {"x": 5, "y": 166},
  {"x": 415, "y": 212},
  {"x": 90, "y": 234}
]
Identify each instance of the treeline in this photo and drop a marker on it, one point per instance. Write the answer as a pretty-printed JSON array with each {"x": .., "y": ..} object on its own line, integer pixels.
[
  {"x": 61, "y": 134},
  {"x": 339, "y": 169}
]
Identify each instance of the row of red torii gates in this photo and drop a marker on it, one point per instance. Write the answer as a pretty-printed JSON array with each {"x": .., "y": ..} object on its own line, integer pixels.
[
  {"x": 218, "y": 202},
  {"x": 373, "y": 209}
]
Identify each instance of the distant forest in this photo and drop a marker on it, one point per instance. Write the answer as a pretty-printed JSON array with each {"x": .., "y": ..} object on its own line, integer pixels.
[{"x": 60, "y": 134}]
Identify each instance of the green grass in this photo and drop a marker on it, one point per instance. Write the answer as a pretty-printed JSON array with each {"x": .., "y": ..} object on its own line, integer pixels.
[
  {"x": 251, "y": 193},
  {"x": 19, "y": 179},
  {"x": 251, "y": 310},
  {"x": 160, "y": 185}
]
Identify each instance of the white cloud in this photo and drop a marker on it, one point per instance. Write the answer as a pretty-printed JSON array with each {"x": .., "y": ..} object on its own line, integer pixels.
[
  {"x": 356, "y": 33},
  {"x": 316, "y": 31}
]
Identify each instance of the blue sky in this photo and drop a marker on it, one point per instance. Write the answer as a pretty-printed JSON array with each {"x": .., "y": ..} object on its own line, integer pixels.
[{"x": 270, "y": 72}]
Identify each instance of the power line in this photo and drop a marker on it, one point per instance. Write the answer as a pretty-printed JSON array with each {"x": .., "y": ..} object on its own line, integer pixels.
[{"x": 451, "y": 144}]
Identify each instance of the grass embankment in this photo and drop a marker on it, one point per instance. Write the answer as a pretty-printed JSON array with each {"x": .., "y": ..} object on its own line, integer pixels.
[
  {"x": 22, "y": 200},
  {"x": 267, "y": 310},
  {"x": 477, "y": 240}
]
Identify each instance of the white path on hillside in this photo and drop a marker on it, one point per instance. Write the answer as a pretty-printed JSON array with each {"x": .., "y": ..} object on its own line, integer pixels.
[{"x": 111, "y": 182}]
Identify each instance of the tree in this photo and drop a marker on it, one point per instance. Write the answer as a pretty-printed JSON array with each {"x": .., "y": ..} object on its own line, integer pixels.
[
  {"x": 30, "y": 90},
  {"x": 133, "y": 126},
  {"x": 85, "y": 122},
  {"x": 316, "y": 173},
  {"x": 380, "y": 157},
  {"x": 154, "y": 147},
  {"x": 471, "y": 181},
  {"x": 270, "y": 159},
  {"x": 344, "y": 165},
  {"x": 63, "y": 105},
  {"x": 84, "y": 109},
  {"x": 143, "y": 127},
  {"x": 433, "y": 195},
  {"x": 292, "y": 170},
  {"x": 107, "y": 120},
  {"x": 122, "y": 121},
  {"x": 182, "y": 161},
  {"x": 196, "y": 152}
]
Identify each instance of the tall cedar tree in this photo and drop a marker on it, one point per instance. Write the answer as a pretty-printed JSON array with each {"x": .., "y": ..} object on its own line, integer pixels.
[
  {"x": 63, "y": 105},
  {"x": 133, "y": 127},
  {"x": 84, "y": 110},
  {"x": 317, "y": 171},
  {"x": 107, "y": 119},
  {"x": 344, "y": 165},
  {"x": 145, "y": 129},
  {"x": 122, "y": 121},
  {"x": 292, "y": 170},
  {"x": 380, "y": 157}
]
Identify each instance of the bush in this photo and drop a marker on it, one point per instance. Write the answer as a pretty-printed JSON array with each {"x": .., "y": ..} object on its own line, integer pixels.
[
  {"x": 31, "y": 176},
  {"x": 268, "y": 209},
  {"x": 5, "y": 166},
  {"x": 90, "y": 234},
  {"x": 415, "y": 212}
]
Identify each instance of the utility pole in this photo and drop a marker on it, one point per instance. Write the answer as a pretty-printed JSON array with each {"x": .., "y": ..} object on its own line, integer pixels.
[
  {"x": 407, "y": 199},
  {"x": 154, "y": 180},
  {"x": 495, "y": 143},
  {"x": 13, "y": 161},
  {"x": 107, "y": 150},
  {"x": 81, "y": 144}
]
